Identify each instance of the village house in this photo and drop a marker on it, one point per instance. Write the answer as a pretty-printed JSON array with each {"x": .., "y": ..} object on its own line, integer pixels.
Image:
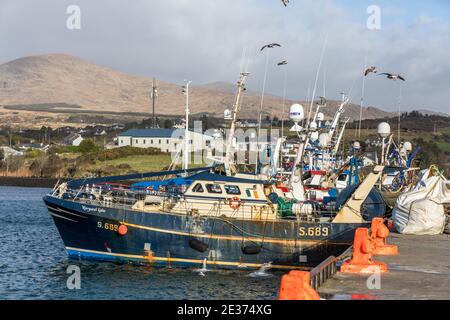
[
  {"x": 73, "y": 139},
  {"x": 167, "y": 140}
]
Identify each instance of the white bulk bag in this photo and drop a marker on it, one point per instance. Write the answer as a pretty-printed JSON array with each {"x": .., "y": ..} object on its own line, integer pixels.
[{"x": 420, "y": 210}]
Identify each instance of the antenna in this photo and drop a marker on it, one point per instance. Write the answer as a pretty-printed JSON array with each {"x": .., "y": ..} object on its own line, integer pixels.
[
  {"x": 363, "y": 89},
  {"x": 242, "y": 66},
  {"x": 154, "y": 96},
  {"x": 185, "y": 90},
  {"x": 268, "y": 47},
  {"x": 399, "y": 111},
  {"x": 317, "y": 78}
]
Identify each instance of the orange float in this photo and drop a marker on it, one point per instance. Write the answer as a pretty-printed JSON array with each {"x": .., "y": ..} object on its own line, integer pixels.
[
  {"x": 235, "y": 203},
  {"x": 122, "y": 230}
]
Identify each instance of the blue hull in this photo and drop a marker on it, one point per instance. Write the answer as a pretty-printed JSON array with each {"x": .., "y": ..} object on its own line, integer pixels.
[{"x": 91, "y": 232}]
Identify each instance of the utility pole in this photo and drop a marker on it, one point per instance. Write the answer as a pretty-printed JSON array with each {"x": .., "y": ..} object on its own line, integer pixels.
[
  {"x": 154, "y": 96},
  {"x": 185, "y": 90}
]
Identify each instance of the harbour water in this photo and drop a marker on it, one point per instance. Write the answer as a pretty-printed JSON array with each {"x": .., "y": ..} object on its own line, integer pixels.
[{"x": 33, "y": 265}]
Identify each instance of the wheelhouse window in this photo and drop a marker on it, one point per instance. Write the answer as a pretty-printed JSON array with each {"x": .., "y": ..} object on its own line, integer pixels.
[
  {"x": 232, "y": 189},
  {"x": 213, "y": 188},
  {"x": 197, "y": 188}
]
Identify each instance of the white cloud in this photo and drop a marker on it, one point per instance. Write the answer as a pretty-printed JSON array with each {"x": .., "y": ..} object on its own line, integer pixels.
[{"x": 203, "y": 41}]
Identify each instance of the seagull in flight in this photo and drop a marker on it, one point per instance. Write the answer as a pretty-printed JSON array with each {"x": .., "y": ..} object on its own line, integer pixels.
[
  {"x": 285, "y": 2},
  {"x": 282, "y": 63},
  {"x": 270, "y": 45},
  {"x": 392, "y": 76},
  {"x": 369, "y": 70}
]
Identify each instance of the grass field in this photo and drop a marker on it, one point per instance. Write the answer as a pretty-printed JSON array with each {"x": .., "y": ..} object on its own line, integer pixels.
[
  {"x": 148, "y": 163},
  {"x": 143, "y": 163}
]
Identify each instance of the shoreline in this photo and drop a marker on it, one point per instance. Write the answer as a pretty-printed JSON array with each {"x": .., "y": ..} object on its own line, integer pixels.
[{"x": 30, "y": 182}]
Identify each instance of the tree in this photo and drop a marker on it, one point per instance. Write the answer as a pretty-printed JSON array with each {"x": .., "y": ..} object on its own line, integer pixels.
[
  {"x": 168, "y": 124},
  {"x": 87, "y": 146}
]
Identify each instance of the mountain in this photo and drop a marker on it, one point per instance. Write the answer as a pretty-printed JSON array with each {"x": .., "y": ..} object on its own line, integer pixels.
[
  {"x": 62, "y": 78},
  {"x": 432, "y": 113}
]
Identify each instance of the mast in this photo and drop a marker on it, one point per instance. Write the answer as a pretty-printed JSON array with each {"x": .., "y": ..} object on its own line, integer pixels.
[
  {"x": 229, "y": 154},
  {"x": 341, "y": 134},
  {"x": 186, "y": 130},
  {"x": 154, "y": 96},
  {"x": 338, "y": 115}
]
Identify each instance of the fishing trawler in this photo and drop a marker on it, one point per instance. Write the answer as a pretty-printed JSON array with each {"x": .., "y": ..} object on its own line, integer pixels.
[{"x": 197, "y": 216}]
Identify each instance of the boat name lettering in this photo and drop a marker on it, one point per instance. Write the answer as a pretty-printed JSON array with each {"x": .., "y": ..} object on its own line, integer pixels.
[
  {"x": 91, "y": 209},
  {"x": 316, "y": 231},
  {"x": 107, "y": 226}
]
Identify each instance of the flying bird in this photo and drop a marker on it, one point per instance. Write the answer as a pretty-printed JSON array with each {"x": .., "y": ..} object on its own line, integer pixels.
[
  {"x": 282, "y": 63},
  {"x": 369, "y": 70},
  {"x": 285, "y": 2},
  {"x": 392, "y": 76},
  {"x": 270, "y": 45}
]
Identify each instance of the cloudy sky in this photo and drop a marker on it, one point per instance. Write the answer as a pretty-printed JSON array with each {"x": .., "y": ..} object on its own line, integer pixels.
[{"x": 203, "y": 41}]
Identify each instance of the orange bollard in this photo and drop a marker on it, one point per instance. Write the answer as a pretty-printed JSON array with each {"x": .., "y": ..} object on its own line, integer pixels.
[
  {"x": 361, "y": 261},
  {"x": 296, "y": 285},
  {"x": 379, "y": 232}
]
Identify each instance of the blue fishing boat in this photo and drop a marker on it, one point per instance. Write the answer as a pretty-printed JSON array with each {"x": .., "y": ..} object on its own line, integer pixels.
[{"x": 231, "y": 222}]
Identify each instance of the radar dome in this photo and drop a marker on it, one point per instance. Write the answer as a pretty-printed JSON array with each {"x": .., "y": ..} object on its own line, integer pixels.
[
  {"x": 314, "y": 136},
  {"x": 227, "y": 114},
  {"x": 408, "y": 146},
  {"x": 356, "y": 145},
  {"x": 324, "y": 139},
  {"x": 384, "y": 129},
  {"x": 296, "y": 112},
  {"x": 320, "y": 116},
  {"x": 313, "y": 126},
  {"x": 403, "y": 152}
]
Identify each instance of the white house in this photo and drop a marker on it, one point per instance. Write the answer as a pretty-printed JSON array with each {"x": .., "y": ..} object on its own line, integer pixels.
[
  {"x": 73, "y": 139},
  {"x": 167, "y": 140},
  {"x": 8, "y": 152}
]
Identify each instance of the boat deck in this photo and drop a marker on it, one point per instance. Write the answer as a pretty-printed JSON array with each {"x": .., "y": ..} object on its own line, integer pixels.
[{"x": 420, "y": 271}]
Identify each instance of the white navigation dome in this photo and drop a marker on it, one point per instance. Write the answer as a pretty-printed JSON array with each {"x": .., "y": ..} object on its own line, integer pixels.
[
  {"x": 384, "y": 129},
  {"x": 408, "y": 146},
  {"x": 313, "y": 126},
  {"x": 320, "y": 116},
  {"x": 356, "y": 145},
  {"x": 324, "y": 139},
  {"x": 296, "y": 113},
  {"x": 227, "y": 114},
  {"x": 315, "y": 136},
  {"x": 403, "y": 152}
]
